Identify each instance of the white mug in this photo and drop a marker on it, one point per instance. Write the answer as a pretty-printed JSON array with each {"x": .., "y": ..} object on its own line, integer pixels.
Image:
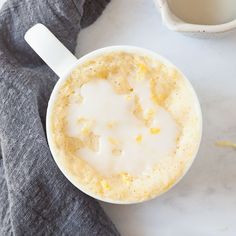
[{"x": 62, "y": 62}]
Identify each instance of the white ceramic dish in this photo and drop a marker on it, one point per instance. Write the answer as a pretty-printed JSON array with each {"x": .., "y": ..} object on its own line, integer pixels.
[
  {"x": 175, "y": 23},
  {"x": 62, "y": 62}
]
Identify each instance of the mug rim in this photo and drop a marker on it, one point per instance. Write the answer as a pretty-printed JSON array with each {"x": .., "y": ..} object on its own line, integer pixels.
[{"x": 92, "y": 54}]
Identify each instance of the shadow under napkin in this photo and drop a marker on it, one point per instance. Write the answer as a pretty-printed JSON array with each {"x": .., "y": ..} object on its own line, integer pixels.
[{"x": 35, "y": 198}]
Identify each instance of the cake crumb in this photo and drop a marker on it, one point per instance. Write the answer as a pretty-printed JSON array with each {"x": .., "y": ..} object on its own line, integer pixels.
[
  {"x": 105, "y": 185},
  {"x": 126, "y": 178},
  {"x": 111, "y": 124},
  {"x": 139, "y": 138},
  {"x": 155, "y": 130},
  {"x": 226, "y": 144},
  {"x": 113, "y": 141}
]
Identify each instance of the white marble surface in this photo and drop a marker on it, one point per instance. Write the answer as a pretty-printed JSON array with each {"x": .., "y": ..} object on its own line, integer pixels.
[{"x": 204, "y": 202}]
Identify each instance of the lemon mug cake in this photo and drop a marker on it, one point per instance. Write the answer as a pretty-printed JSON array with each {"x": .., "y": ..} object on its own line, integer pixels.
[{"x": 123, "y": 124}]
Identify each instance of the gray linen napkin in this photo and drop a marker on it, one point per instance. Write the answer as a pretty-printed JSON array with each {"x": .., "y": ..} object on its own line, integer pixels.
[{"x": 35, "y": 197}]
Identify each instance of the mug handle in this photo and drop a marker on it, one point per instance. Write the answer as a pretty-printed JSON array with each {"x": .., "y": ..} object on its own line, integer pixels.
[{"x": 50, "y": 49}]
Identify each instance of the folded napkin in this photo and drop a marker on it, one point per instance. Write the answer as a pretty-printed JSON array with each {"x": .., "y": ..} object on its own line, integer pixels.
[{"x": 35, "y": 197}]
